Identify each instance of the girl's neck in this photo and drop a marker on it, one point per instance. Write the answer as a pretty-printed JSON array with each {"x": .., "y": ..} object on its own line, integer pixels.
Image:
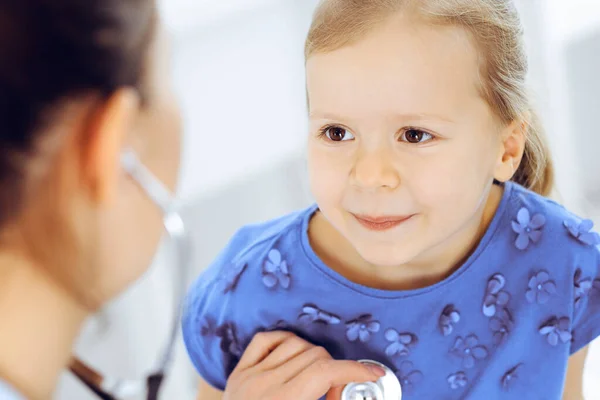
[
  {"x": 431, "y": 268},
  {"x": 40, "y": 323}
]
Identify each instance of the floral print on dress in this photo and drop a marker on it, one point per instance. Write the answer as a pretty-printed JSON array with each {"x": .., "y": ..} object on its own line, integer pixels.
[
  {"x": 229, "y": 340},
  {"x": 449, "y": 317},
  {"x": 276, "y": 271},
  {"x": 469, "y": 350},
  {"x": 313, "y": 314},
  {"x": 458, "y": 380},
  {"x": 208, "y": 327},
  {"x": 583, "y": 232},
  {"x": 401, "y": 343},
  {"x": 509, "y": 378},
  {"x": 280, "y": 325},
  {"x": 233, "y": 276},
  {"x": 495, "y": 298},
  {"x": 556, "y": 330},
  {"x": 408, "y": 376},
  {"x": 540, "y": 288},
  {"x": 582, "y": 287},
  {"x": 527, "y": 228},
  {"x": 361, "y": 328},
  {"x": 501, "y": 325}
]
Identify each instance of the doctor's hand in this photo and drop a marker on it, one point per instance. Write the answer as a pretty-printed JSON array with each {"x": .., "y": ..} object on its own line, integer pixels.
[{"x": 280, "y": 365}]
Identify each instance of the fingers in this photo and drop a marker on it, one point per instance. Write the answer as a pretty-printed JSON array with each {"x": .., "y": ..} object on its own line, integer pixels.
[
  {"x": 323, "y": 374},
  {"x": 280, "y": 362},
  {"x": 295, "y": 366},
  {"x": 260, "y": 347},
  {"x": 289, "y": 349},
  {"x": 335, "y": 393}
]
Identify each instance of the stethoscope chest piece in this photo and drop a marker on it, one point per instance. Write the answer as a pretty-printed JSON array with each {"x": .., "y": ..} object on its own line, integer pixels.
[{"x": 385, "y": 388}]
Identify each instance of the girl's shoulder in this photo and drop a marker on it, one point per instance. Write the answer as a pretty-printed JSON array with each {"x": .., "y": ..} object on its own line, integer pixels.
[
  {"x": 538, "y": 220},
  {"x": 221, "y": 295},
  {"x": 251, "y": 243}
]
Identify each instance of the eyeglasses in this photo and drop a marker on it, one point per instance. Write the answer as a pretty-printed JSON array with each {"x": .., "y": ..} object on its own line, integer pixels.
[{"x": 111, "y": 388}]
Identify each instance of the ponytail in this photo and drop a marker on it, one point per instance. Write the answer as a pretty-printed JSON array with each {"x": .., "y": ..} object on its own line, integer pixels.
[{"x": 536, "y": 171}]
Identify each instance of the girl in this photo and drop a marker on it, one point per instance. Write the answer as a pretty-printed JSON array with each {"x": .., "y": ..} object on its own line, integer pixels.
[{"x": 431, "y": 248}]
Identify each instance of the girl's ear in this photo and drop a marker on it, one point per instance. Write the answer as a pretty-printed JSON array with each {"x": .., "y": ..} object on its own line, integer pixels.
[{"x": 513, "y": 139}]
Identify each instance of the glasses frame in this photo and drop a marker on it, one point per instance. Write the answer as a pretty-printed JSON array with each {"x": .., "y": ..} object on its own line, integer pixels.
[{"x": 111, "y": 388}]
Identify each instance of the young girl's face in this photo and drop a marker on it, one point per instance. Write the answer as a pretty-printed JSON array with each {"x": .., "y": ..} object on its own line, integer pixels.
[{"x": 403, "y": 149}]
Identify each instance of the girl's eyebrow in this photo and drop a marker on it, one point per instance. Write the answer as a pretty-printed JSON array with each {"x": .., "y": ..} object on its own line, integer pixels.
[{"x": 316, "y": 114}]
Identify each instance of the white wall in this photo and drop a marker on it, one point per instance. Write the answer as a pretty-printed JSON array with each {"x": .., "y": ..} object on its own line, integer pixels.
[
  {"x": 559, "y": 25},
  {"x": 241, "y": 83}
]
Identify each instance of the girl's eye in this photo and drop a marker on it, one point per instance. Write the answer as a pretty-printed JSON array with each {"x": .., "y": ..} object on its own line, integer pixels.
[
  {"x": 336, "y": 134},
  {"x": 415, "y": 136}
]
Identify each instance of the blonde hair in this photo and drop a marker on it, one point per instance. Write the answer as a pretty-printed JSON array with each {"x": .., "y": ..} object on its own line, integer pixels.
[{"x": 496, "y": 29}]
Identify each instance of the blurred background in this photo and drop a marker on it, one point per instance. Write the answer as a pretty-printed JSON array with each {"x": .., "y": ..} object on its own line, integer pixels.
[{"x": 239, "y": 72}]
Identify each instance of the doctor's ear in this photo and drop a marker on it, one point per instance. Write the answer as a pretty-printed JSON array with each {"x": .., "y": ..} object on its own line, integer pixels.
[{"x": 110, "y": 125}]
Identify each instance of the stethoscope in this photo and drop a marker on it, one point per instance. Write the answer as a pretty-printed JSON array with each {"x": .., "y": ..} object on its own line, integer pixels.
[{"x": 112, "y": 388}]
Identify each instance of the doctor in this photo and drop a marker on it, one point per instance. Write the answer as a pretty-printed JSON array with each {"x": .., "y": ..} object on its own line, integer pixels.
[{"x": 89, "y": 143}]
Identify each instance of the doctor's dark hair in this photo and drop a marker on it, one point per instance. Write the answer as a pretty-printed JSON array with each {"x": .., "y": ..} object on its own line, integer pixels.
[
  {"x": 496, "y": 29},
  {"x": 53, "y": 52}
]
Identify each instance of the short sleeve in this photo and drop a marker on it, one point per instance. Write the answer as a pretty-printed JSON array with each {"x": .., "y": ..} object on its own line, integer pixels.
[
  {"x": 586, "y": 306},
  {"x": 196, "y": 327},
  {"x": 210, "y": 341}
]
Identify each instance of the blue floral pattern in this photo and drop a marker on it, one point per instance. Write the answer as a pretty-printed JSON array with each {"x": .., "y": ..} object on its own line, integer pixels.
[
  {"x": 540, "y": 288},
  {"x": 469, "y": 350},
  {"x": 495, "y": 298},
  {"x": 449, "y": 317},
  {"x": 583, "y": 286},
  {"x": 229, "y": 339},
  {"x": 208, "y": 327},
  {"x": 280, "y": 325},
  {"x": 509, "y": 378},
  {"x": 583, "y": 232},
  {"x": 501, "y": 325},
  {"x": 233, "y": 276},
  {"x": 408, "y": 376},
  {"x": 458, "y": 380},
  {"x": 401, "y": 343},
  {"x": 361, "y": 328},
  {"x": 313, "y": 314},
  {"x": 276, "y": 271},
  {"x": 556, "y": 330},
  {"x": 527, "y": 228}
]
